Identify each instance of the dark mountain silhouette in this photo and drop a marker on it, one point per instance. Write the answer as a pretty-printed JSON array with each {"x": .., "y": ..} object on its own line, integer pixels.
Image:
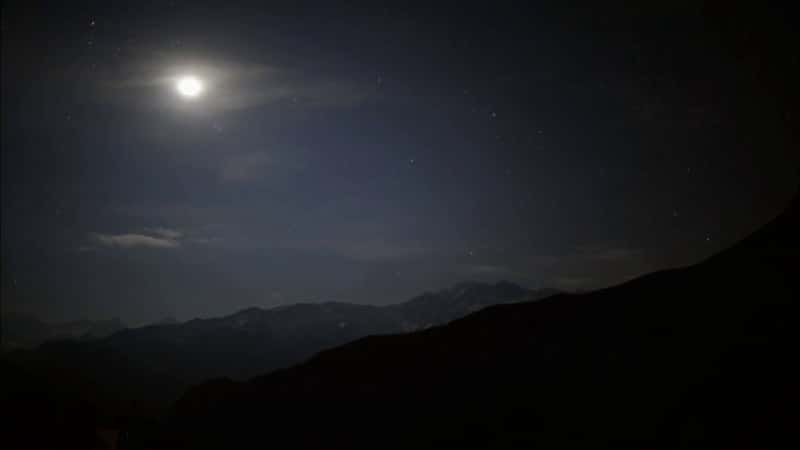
[
  {"x": 255, "y": 340},
  {"x": 699, "y": 357},
  {"x": 137, "y": 372}
]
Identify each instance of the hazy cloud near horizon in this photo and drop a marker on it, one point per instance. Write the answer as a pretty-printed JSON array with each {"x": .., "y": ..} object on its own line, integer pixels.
[{"x": 158, "y": 238}]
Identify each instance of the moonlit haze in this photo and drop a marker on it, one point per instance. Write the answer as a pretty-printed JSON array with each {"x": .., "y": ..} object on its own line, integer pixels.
[{"x": 189, "y": 160}]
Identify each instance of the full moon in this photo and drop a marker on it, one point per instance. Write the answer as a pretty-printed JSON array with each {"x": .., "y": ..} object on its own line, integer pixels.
[{"x": 189, "y": 86}]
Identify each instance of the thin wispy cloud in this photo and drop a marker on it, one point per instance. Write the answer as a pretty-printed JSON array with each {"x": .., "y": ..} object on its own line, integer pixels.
[{"x": 157, "y": 238}]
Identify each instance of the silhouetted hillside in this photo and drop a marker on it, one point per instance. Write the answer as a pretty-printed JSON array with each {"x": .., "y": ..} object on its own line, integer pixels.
[
  {"x": 137, "y": 372},
  {"x": 256, "y": 340},
  {"x": 700, "y": 357}
]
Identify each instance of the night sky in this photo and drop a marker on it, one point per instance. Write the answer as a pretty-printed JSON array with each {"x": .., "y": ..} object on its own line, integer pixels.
[{"x": 368, "y": 154}]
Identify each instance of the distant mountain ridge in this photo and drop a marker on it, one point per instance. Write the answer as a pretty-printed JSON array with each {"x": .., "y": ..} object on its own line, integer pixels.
[
  {"x": 255, "y": 340},
  {"x": 153, "y": 364}
]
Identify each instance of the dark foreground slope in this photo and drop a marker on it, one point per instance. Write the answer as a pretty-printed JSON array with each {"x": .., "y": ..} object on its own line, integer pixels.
[
  {"x": 73, "y": 387},
  {"x": 152, "y": 364},
  {"x": 701, "y": 357}
]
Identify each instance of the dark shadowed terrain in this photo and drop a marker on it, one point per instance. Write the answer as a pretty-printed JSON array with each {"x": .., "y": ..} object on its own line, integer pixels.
[
  {"x": 140, "y": 372},
  {"x": 700, "y": 357}
]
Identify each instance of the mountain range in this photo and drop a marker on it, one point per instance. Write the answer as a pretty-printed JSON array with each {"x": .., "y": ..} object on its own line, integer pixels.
[
  {"x": 148, "y": 367},
  {"x": 697, "y": 357}
]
